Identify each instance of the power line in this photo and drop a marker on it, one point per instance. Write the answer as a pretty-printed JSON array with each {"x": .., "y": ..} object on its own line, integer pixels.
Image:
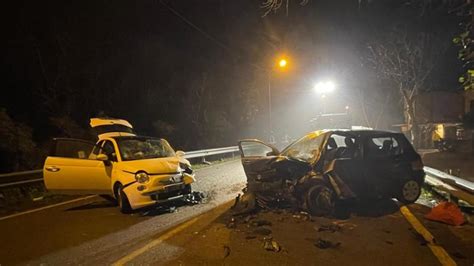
[{"x": 207, "y": 35}]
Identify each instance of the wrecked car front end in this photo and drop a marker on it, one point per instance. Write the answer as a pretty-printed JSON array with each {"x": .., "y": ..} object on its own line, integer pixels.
[
  {"x": 326, "y": 167},
  {"x": 157, "y": 180},
  {"x": 160, "y": 188}
]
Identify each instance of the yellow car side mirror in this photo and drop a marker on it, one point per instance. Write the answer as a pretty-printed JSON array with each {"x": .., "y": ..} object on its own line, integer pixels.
[{"x": 102, "y": 157}]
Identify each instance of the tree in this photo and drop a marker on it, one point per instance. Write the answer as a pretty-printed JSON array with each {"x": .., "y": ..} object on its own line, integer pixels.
[
  {"x": 465, "y": 41},
  {"x": 273, "y": 5},
  {"x": 17, "y": 149},
  {"x": 406, "y": 61}
]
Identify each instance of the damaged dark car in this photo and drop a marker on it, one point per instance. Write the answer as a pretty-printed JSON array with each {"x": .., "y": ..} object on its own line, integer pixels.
[{"x": 328, "y": 167}]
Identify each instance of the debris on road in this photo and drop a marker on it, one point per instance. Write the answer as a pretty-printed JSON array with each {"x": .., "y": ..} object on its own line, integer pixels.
[
  {"x": 262, "y": 231},
  {"x": 260, "y": 222},
  {"x": 325, "y": 244},
  {"x": 330, "y": 228},
  {"x": 231, "y": 225},
  {"x": 244, "y": 204},
  {"x": 446, "y": 212},
  {"x": 271, "y": 245},
  {"x": 194, "y": 198},
  {"x": 304, "y": 216},
  {"x": 226, "y": 251}
]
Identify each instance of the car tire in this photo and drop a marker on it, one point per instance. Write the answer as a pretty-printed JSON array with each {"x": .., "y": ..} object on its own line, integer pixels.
[
  {"x": 122, "y": 199},
  {"x": 320, "y": 200},
  {"x": 409, "y": 191}
]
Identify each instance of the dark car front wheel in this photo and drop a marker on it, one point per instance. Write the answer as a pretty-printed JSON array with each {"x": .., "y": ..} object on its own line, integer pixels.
[
  {"x": 409, "y": 192},
  {"x": 320, "y": 200}
]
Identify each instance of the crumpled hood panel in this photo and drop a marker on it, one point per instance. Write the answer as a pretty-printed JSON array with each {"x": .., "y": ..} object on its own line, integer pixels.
[{"x": 167, "y": 165}]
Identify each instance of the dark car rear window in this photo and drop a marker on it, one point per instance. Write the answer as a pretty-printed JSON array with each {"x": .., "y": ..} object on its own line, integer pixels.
[{"x": 389, "y": 145}]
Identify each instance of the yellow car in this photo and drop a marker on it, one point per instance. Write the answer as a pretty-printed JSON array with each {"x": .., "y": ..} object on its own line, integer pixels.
[{"x": 137, "y": 171}]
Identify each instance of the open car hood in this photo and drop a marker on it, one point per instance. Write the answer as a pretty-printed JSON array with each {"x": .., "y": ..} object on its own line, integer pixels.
[{"x": 111, "y": 127}]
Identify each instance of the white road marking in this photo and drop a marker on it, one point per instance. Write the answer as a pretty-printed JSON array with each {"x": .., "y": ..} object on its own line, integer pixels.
[
  {"x": 45, "y": 207},
  {"x": 124, "y": 260}
]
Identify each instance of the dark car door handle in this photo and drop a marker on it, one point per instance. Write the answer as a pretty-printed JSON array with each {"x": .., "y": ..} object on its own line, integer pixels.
[
  {"x": 53, "y": 168},
  {"x": 247, "y": 161}
]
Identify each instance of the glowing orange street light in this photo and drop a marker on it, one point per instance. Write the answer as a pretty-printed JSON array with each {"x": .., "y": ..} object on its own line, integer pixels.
[{"x": 283, "y": 64}]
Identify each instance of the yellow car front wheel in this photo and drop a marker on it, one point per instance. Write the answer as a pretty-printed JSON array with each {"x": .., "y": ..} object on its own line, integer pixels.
[{"x": 122, "y": 199}]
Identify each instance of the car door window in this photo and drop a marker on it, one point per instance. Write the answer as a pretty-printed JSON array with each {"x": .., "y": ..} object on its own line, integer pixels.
[
  {"x": 96, "y": 151},
  {"x": 255, "y": 149},
  {"x": 72, "y": 148},
  {"x": 340, "y": 146},
  {"x": 382, "y": 147},
  {"x": 109, "y": 150}
]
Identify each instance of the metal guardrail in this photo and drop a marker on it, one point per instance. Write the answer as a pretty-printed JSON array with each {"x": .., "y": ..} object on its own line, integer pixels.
[
  {"x": 208, "y": 152},
  {"x": 20, "y": 178},
  {"x": 33, "y": 176},
  {"x": 456, "y": 187}
]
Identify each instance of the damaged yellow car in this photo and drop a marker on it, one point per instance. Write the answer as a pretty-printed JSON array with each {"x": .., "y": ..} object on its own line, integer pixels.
[
  {"x": 136, "y": 171},
  {"x": 328, "y": 167}
]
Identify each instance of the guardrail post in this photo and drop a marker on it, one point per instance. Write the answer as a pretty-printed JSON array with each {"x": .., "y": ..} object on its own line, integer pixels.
[{"x": 204, "y": 161}]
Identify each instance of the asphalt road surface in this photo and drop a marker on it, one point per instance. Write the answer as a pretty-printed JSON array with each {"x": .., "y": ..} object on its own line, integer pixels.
[{"x": 93, "y": 231}]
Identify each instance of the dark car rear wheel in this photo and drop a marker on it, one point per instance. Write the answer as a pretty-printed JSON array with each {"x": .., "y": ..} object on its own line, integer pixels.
[
  {"x": 320, "y": 200},
  {"x": 122, "y": 199},
  {"x": 409, "y": 192}
]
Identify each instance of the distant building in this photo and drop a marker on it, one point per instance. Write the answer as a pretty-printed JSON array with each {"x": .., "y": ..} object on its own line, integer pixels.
[{"x": 442, "y": 112}]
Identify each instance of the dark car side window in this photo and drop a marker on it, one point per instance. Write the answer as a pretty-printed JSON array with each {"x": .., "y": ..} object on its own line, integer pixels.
[
  {"x": 97, "y": 149},
  {"x": 109, "y": 150},
  {"x": 382, "y": 147}
]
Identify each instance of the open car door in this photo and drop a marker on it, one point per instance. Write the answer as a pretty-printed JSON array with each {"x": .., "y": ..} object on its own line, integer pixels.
[
  {"x": 73, "y": 168},
  {"x": 257, "y": 160}
]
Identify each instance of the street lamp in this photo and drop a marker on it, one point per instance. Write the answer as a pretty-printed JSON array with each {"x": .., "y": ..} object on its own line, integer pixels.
[
  {"x": 282, "y": 65},
  {"x": 323, "y": 88}
]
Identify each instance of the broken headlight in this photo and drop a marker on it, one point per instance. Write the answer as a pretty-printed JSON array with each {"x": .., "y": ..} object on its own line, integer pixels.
[
  {"x": 186, "y": 168},
  {"x": 142, "y": 177}
]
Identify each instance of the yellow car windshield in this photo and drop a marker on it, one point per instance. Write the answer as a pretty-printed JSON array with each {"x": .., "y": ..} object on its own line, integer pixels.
[{"x": 138, "y": 148}]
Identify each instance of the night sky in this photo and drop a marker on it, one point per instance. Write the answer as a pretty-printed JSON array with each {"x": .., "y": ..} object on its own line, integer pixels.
[{"x": 204, "y": 87}]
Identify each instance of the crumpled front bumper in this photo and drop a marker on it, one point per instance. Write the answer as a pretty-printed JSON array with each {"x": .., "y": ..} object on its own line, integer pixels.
[{"x": 160, "y": 188}]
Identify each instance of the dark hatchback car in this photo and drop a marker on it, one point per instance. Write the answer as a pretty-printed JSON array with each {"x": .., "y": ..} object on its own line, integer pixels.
[{"x": 329, "y": 166}]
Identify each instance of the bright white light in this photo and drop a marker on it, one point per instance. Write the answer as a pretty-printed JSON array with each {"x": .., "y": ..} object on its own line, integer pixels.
[
  {"x": 324, "y": 87},
  {"x": 347, "y": 107}
]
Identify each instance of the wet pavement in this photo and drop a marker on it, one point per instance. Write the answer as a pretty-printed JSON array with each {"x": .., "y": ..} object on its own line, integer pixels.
[{"x": 94, "y": 231}]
